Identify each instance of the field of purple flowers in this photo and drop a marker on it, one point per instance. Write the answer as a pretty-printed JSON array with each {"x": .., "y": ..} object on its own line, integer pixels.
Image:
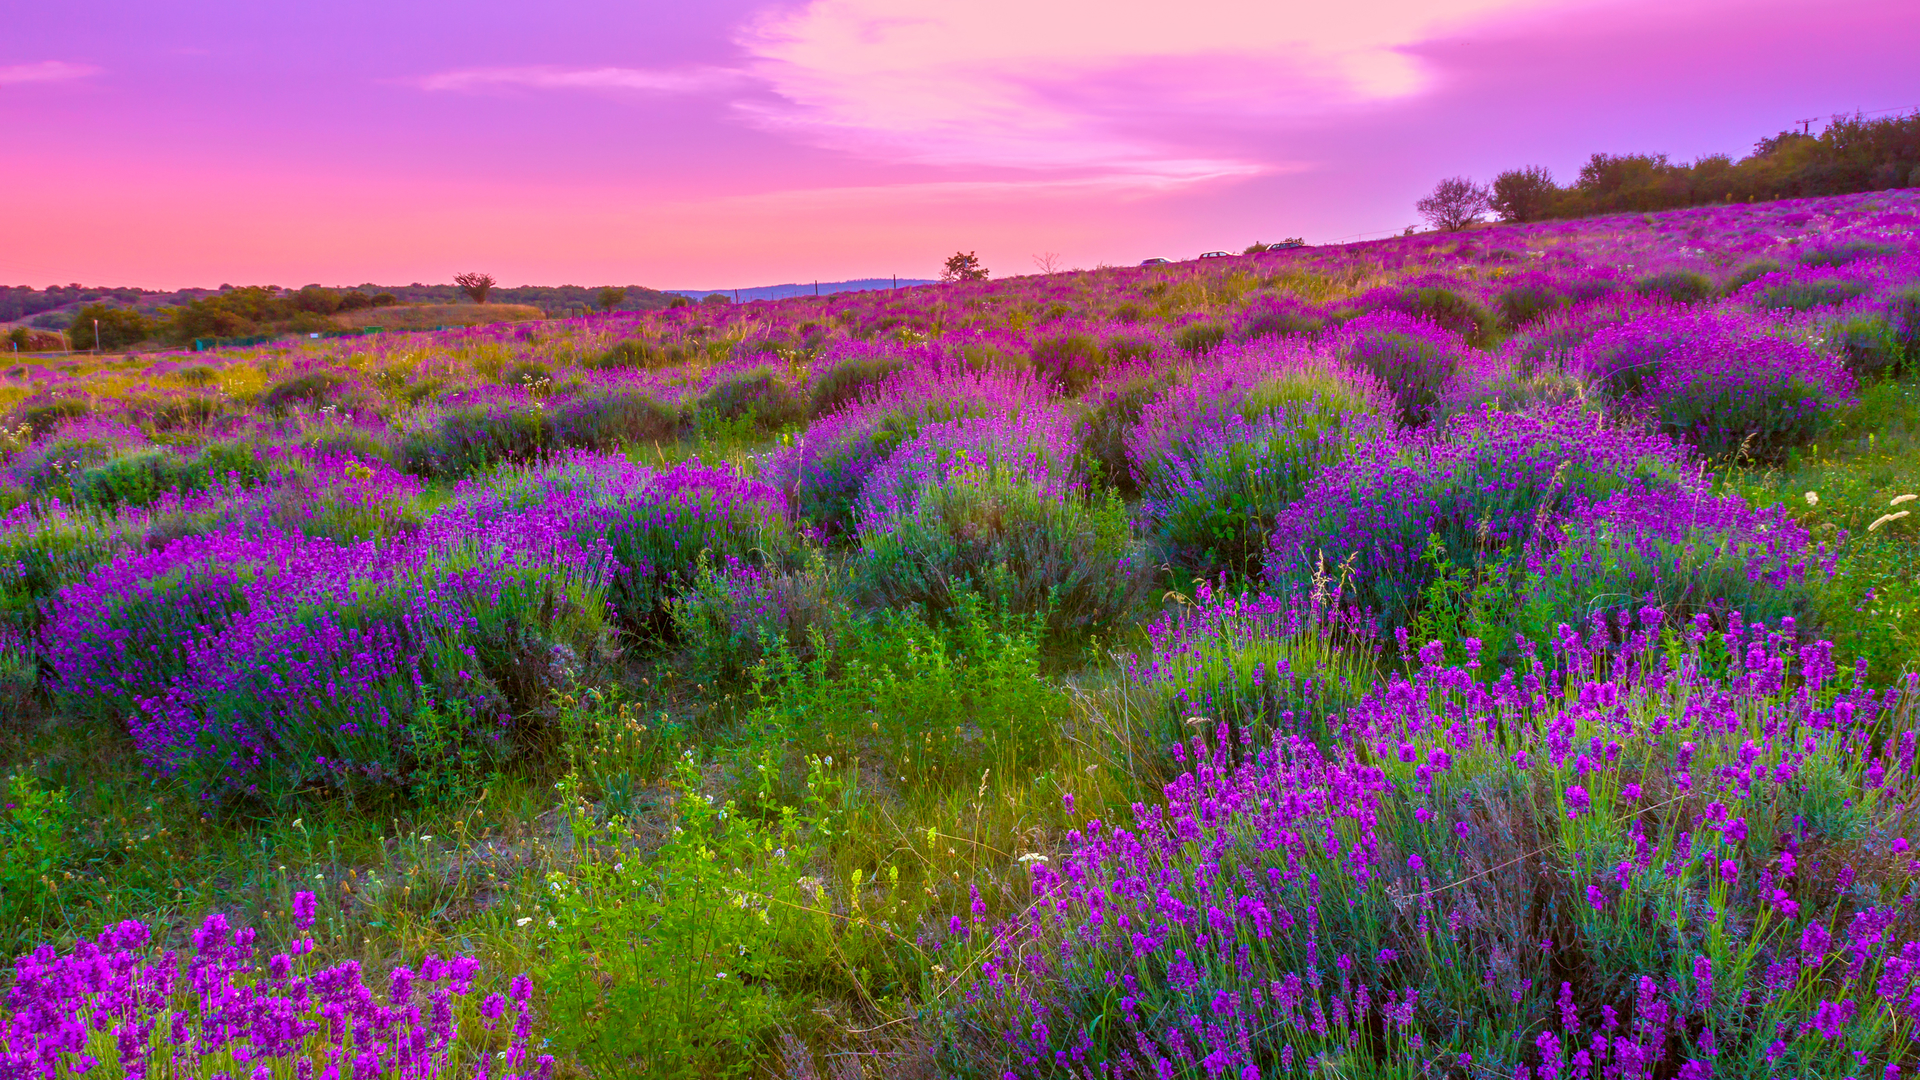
[{"x": 1471, "y": 655}]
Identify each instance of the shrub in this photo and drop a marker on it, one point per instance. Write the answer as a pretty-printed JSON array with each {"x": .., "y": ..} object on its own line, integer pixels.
[
  {"x": 1277, "y": 320},
  {"x": 1412, "y": 358},
  {"x": 463, "y": 440},
  {"x": 337, "y": 496},
  {"x": 1680, "y": 551},
  {"x": 1553, "y": 340},
  {"x": 1678, "y": 286},
  {"x": 759, "y": 399},
  {"x": 1790, "y": 291},
  {"x": 1749, "y": 274},
  {"x": 1036, "y": 444},
  {"x": 850, "y": 378},
  {"x": 1481, "y": 486},
  {"x": 43, "y": 549},
  {"x": 1838, "y": 255},
  {"x": 1220, "y": 454},
  {"x": 1108, "y": 414},
  {"x": 1025, "y": 550},
  {"x": 44, "y": 417},
  {"x": 46, "y": 465},
  {"x": 1124, "y": 350},
  {"x": 641, "y": 353},
  {"x": 311, "y": 390},
  {"x": 1450, "y": 311},
  {"x": 1719, "y": 380},
  {"x": 1523, "y": 305},
  {"x": 187, "y": 412},
  {"x": 1199, "y": 339},
  {"x": 612, "y": 420},
  {"x": 1872, "y": 347},
  {"x": 1069, "y": 361},
  {"x": 735, "y": 615},
  {"x": 1465, "y": 863},
  {"x": 1513, "y": 380},
  {"x": 1253, "y": 664},
  {"x": 219, "y": 1009}
]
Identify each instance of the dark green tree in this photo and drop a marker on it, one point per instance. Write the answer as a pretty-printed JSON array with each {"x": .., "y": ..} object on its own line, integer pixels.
[
  {"x": 103, "y": 327},
  {"x": 964, "y": 266},
  {"x": 475, "y": 285},
  {"x": 1454, "y": 204},
  {"x": 612, "y": 297},
  {"x": 1523, "y": 194}
]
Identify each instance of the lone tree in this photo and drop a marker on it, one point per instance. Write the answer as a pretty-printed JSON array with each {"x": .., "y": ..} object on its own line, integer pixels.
[
  {"x": 476, "y": 286},
  {"x": 1456, "y": 203},
  {"x": 1523, "y": 194},
  {"x": 612, "y": 297},
  {"x": 964, "y": 266}
]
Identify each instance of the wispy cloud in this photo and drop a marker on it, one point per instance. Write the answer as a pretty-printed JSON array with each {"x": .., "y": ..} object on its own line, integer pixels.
[
  {"x": 683, "y": 80},
  {"x": 44, "y": 71},
  {"x": 1107, "y": 86}
]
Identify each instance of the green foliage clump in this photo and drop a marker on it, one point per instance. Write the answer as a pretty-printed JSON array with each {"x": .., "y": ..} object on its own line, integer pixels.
[
  {"x": 1806, "y": 294},
  {"x": 34, "y": 819},
  {"x": 1198, "y": 339},
  {"x": 464, "y": 441},
  {"x": 1679, "y": 286},
  {"x": 1069, "y": 361},
  {"x": 1101, "y": 427},
  {"x": 1524, "y": 304},
  {"x": 936, "y": 703},
  {"x": 1071, "y": 561},
  {"x": 847, "y": 380},
  {"x": 760, "y": 400}
]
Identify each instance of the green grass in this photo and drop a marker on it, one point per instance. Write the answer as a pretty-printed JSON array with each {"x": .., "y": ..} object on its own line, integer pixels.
[{"x": 1839, "y": 488}]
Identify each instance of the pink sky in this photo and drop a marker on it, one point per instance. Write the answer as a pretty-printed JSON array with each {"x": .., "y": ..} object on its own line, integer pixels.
[{"x": 740, "y": 143}]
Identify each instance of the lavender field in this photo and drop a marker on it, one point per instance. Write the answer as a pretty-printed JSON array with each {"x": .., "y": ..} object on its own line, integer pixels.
[{"x": 1488, "y": 654}]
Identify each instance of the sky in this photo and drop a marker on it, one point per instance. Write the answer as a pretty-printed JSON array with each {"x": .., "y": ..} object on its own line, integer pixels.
[{"x": 742, "y": 142}]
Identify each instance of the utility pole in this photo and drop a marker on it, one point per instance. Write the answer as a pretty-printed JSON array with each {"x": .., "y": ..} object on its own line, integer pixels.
[{"x": 96, "y": 337}]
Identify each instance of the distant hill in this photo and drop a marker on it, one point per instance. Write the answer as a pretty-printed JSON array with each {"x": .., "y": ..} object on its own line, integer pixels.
[
  {"x": 51, "y": 308},
  {"x": 824, "y": 288},
  {"x": 432, "y": 316}
]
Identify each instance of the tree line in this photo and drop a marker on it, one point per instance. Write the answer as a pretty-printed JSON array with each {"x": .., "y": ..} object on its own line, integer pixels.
[{"x": 1853, "y": 154}]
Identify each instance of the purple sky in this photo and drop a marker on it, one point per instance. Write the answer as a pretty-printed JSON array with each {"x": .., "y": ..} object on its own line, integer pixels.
[{"x": 738, "y": 143}]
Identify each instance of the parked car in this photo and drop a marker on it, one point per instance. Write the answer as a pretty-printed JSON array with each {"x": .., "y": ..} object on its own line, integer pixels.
[
  {"x": 1153, "y": 262},
  {"x": 1216, "y": 254}
]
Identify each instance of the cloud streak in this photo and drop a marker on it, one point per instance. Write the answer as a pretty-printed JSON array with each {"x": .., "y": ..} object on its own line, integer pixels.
[
  {"x": 685, "y": 80},
  {"x": 45, "y": 71}
]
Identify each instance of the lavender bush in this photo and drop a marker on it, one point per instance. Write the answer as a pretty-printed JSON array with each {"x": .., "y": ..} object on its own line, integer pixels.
[
  {"x": 656, "y": 524},
  {"x": 114, "y": 1005},
  {"x": 1614, "y": 865},
  {"x": 252, "y": 664},
  {"x": 1717, "y": 379},
  {"x": 822, "y": 472},
  {"x": 1684, "y": 552},
  {"x": 1414, "y": 359},
  {"x": 1481, "y": 486},
  {"x": 998, "y": 534},
  {"x": 1219, "y": 454}
]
